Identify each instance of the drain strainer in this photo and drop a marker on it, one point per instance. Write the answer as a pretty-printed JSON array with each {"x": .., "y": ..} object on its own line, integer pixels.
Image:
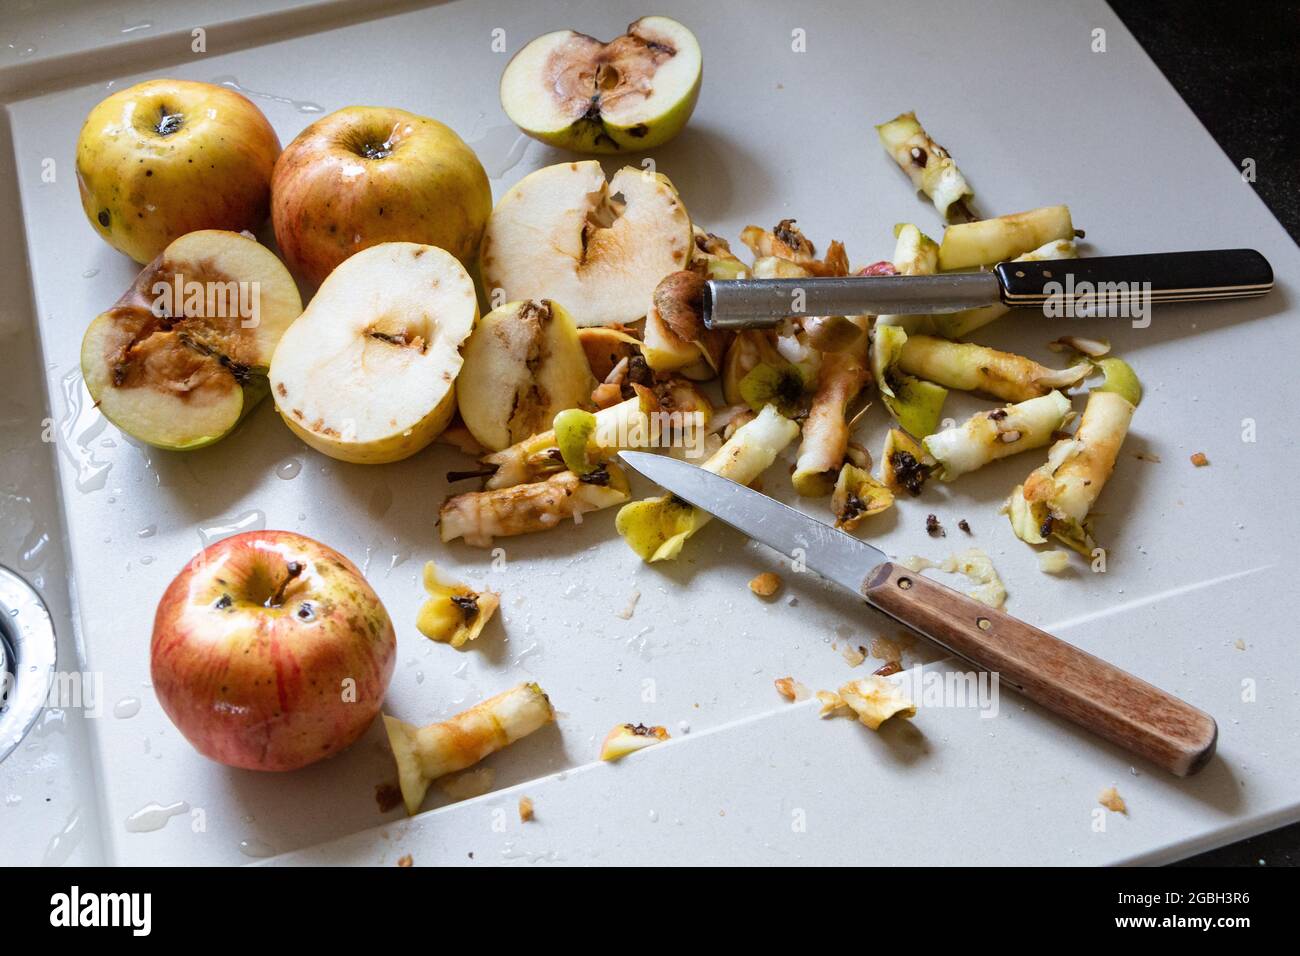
[{"x": 27, "y": 657}]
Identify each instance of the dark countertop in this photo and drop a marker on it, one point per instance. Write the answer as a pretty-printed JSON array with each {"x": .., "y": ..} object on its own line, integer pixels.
[{"x": 1238, "y": 67}]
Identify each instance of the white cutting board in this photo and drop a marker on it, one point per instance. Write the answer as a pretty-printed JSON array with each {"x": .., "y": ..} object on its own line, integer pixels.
[{"x": 1198, "y": 557}]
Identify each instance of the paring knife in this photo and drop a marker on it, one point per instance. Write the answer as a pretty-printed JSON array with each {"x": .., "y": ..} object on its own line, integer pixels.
[
  {"x": 1094, "y": 286},
  {"x": 1066, "y": 680}
]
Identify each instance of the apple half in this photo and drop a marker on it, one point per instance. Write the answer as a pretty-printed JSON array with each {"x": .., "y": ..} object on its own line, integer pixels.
[
  {"x": 182, "y": 356},
  {"x": 599, "y": 248},
  {"x": 367, "y": 374},
  {"x": 523, "y": 365},
  {"x": 633, "y": 93}
]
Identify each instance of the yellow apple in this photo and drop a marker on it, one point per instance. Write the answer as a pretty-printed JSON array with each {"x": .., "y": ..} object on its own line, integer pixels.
[
  {"x": 167, "y": 157},
  {"x": 367, "y": 174}
]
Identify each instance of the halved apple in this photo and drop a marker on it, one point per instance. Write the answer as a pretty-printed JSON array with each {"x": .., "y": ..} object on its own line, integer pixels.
[
  {"x": 367, "y": 374},
  {"x": 183, "y": 354},
  {"x": 523, "y": 365},
  {"x": 599, "y": 247},
  {"x": 633, "y": 93}
]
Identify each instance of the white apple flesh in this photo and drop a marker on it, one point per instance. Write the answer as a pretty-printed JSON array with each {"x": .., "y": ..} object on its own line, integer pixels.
[
  {"x": 523, "y": 365},
  {"x": 271, "y": 652},
  {"x": 367, "y": 374},
  {"x": 633, "y": 93},
  {"x": 598, "y": 248}
]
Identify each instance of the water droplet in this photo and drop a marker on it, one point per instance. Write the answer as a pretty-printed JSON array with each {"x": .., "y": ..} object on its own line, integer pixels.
[
  {"x": 54, "y": 720},
  {"x": 90, "y": 273},
  {"x": 80, "y": 425},
  {"x": 147, "y": 532},
  {"x": 33, "y": 551},
  {"x": 533, "y": 649},
  {"x": 254, "y": 520},
  {"x": 258, "y": 849},
  {"x": 153, "y": 816},
  {"x": 288, "y": 469},
  {"x": 60, "y": 847},
  {"x": 126, "y": 707},
  {"x": 500, "y": 149},
  {"x": 302, "y": 106}
]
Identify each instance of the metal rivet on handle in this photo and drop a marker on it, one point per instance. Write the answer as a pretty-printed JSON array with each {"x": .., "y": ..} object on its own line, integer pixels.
[
  {"x": 904, "y": 583},
  {"x": 984, "y": 623}
]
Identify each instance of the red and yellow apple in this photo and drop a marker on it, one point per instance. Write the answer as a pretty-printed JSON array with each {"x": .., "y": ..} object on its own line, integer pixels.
[
  {"x": 270, "y": 651},
  {"x": 365, "y": 175},
  {"x": 167, "y": 157}
]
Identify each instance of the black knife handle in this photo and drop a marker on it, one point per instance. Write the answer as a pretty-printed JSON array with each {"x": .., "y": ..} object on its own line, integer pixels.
[{"x": 1159, "y": 277}]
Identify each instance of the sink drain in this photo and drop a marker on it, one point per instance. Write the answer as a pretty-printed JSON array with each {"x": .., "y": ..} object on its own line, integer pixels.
[{"x": 26, "y": 659}]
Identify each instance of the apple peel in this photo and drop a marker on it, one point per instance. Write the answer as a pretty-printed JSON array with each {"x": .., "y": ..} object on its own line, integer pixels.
[
  {"x": 424, "y": 754},
  {"x": 657, "y": 528},
  {"x": 480, "y": 516},
  {"x": 454, "y": 613},
  {"x": 629, "y": 738}
]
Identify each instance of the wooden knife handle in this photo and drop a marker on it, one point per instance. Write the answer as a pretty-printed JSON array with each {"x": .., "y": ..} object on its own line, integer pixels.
[
  {"x": 1159, "y": 277},
  {"x": 1066, "y": 680}
]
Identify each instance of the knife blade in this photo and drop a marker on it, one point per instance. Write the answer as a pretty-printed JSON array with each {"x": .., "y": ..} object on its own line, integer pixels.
[
  {"x": 1068, "y": 681},
  {"x": 1101, "y": 285}
]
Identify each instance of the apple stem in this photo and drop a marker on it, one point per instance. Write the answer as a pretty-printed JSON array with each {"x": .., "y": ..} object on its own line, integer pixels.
[{"x": 277, "y": 599}]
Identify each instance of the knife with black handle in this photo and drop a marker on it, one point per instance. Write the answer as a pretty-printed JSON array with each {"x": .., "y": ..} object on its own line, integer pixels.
[{"x": 1094, "y": 286}]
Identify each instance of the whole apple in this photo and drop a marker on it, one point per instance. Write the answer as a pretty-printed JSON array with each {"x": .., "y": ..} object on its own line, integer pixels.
[
  {"x": 167, "y": 157},
  {"x": 366, "y": 175},
  {"x": 270, "y": 651}
]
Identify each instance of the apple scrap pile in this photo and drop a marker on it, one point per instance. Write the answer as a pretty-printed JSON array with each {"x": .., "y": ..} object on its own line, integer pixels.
[{"x": 597, "y": 328}]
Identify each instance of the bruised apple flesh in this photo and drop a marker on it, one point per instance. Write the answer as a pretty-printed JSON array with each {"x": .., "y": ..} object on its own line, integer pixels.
[
  {"x": 523, "y": 364},
  {"x": 167, "y": 157},
  {"x": 599, "y": 248},
  {"x": 367, "y": 374},
  {"x": 183, "y": 354},
  {"x": 633, "y": 93},
  {"x": 365, "y": 175}
]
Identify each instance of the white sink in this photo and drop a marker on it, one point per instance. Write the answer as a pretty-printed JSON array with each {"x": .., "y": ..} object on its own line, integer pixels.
[{"x": 47, "y": 784}]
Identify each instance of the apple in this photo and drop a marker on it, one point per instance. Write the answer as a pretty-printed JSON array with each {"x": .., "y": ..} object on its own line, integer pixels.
[
  {"x": 182, "y": 356},
  {"x": 676, "y": 338},
  {"x": 599, "y": 248},
  {"x": 523, "y": 364},
  {"x": 167, "y": 157},
  {"x": 270, "y": 651},
  {"x": 367, "y": 373},
  {"x": 370, "y": 174},
  {"x": 633, "y": 93}
]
